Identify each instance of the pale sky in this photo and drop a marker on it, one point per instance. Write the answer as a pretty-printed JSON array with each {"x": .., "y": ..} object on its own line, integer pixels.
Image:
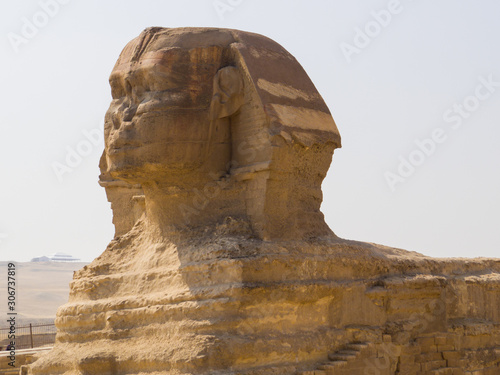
[{"x": 414, "y": 87}]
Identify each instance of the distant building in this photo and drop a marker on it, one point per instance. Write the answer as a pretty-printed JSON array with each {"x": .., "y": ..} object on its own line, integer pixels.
[
  {"x": 56, "y": 257},
  {"x": 43, "y": 258}
]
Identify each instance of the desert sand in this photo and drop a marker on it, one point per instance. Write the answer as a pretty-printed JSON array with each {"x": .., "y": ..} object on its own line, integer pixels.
[{"x": 41, "y": 289}]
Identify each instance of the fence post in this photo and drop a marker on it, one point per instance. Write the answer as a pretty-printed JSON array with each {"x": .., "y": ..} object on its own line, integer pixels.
[{"x": 31, "y": 336}]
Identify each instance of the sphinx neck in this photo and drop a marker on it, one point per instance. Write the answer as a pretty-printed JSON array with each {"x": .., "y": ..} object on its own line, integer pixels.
[{"x": 174, "y": 209}]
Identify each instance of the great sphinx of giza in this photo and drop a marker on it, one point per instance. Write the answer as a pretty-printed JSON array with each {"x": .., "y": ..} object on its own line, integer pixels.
[{"x": 217, "y": 143}]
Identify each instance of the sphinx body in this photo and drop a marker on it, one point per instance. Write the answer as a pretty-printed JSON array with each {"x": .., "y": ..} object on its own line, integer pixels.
[{"x": 216, "y": 146}]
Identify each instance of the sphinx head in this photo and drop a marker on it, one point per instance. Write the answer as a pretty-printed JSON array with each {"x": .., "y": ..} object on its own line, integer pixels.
[
  {"x": 192, "y": 106},
  {"x": 169, "y": 91}
]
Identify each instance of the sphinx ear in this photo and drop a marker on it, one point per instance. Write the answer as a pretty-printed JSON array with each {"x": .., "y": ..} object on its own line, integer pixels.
[{"x": 228, "y": 94}]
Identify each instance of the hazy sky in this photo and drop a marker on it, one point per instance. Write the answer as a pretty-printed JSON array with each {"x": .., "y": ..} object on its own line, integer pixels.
[{"x": 414, "y": 87}]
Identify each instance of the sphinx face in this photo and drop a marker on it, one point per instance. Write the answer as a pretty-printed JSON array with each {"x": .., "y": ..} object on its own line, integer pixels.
[{"x": 158, "y": 123}]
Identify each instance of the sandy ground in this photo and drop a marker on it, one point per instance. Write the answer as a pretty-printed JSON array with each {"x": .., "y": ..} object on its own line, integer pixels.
[{"x": 40, "y": 289}]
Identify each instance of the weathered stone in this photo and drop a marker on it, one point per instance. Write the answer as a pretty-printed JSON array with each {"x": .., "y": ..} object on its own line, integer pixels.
[{"x": 217, "y": 143}]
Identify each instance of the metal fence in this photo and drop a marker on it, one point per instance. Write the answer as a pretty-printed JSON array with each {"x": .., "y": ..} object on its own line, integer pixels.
[{"x": 29, "y": 336}]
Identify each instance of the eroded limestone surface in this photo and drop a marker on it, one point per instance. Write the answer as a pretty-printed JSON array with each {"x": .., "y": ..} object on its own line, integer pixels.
[{"x": 216, "y": 146}]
